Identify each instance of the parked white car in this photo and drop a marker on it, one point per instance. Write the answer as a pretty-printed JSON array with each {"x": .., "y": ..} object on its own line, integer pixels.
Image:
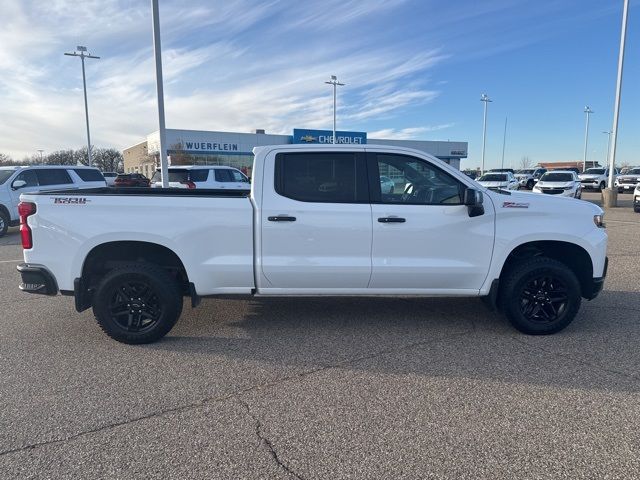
[
  {"x": 627, "y": 182},
  {"x": 499, "y": 180},
  {"x": 203, "y": 176},
  {"x": 636, "y": 199},
  {"x": 564, "y": 183},
  {"x": 596, "y": 178},
  {"x": 110, "y": 178},
  {"x": 32, "y": 179}
]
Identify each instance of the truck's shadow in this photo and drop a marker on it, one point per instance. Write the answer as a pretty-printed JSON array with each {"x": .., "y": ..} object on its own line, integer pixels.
[{"x": 433, "y": 337}]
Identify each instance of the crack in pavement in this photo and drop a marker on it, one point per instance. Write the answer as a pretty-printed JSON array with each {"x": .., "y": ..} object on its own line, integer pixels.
[
  {"x": 236, "y": 395},
  {"x": 263, "y": 440}
]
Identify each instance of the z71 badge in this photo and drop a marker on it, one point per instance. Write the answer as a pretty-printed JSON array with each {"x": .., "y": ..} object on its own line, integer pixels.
[
  {"x": 70, "y": 200},
  {"x": 515, "y": 205}
]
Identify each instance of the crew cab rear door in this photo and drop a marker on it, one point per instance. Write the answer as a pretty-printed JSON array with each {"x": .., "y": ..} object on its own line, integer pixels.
[
  {"x": 423, "y": 237},
  {"x": 315, "y": 222}
]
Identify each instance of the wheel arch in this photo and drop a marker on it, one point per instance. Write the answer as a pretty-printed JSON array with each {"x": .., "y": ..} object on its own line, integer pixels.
[
  {"x": 106, "y": 256},
  {"x": 574, "y": 256}
]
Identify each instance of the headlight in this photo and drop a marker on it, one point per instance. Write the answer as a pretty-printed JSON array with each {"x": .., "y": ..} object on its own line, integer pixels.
[{"x": 599, "y": 221}]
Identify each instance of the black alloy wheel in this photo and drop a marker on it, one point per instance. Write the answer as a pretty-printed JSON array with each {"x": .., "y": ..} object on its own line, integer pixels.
[
  {"x": 135, "y": 306},
  {"x": 544, "y": 299},
  {"x": 540, "y": 295},
  {"x": 530, "y": 185},
  {"x": 137, "y": 303},
  {"x": 4, "y": 223}
]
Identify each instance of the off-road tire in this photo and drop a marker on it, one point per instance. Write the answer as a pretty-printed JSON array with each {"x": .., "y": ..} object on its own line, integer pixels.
[
  {"x": 4, "y": 223},
  {"x": 602, "y": 186},
  {"x": 530, "y": 185},
  {"x": 523, "y": 292},
  {"x": 121, "y": 297}
]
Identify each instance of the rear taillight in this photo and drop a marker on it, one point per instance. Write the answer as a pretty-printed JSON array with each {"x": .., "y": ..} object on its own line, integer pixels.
[
  {"x": 189, "y": 184},
  {"x": 25, "y": 210}
]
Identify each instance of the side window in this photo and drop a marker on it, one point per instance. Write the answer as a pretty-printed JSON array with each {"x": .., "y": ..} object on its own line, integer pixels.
[
  {"x": 223, "y": 175},
  {"x": 89, "y": 174},
  {"x": 198, "y": 175},
  {"x": 28, "y": 176},
  {"x": 325, "y": 177},
  {"x": 53, "y": 176},
  {"x": 416, "y": 182},
  {"x": 238, "y": 176}
]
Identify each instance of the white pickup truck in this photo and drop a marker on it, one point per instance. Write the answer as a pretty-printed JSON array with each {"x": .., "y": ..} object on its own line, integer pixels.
[{"x": 315, "y": 222}]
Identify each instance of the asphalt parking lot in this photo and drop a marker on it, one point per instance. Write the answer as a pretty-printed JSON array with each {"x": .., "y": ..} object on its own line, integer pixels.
[{"x": 306, "y": 388}]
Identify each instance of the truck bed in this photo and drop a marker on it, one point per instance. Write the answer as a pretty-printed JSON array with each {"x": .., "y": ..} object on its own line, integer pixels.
[{"x": 149, "y": 192}]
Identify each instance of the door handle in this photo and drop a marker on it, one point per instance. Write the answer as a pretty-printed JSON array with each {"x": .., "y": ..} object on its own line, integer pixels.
[
  {"x": 281, "y": 218},
  {"x": 391, "y": 220}
]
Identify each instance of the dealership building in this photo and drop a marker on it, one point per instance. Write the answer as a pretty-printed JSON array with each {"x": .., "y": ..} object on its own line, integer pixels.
[{"x": 194, "y": 147}]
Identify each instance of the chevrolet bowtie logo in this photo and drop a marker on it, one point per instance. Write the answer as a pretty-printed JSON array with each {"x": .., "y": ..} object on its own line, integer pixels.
[{"x": 309, "y": 139}]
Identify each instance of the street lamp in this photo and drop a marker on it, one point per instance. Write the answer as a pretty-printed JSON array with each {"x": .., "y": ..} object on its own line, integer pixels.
[
  {"x": 484, "y": 98},
  {"x": 157, "y": 51},
  {"x": 606, "y": 161},
  {"x": 334, "y": 81},
  {"x": 82, "y": 53},
  {"x": 587, "y": 112},
  {"x": 614, "y": 140}
]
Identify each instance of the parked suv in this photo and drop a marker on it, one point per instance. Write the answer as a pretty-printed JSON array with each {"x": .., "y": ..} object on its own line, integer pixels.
[
  {"x": 131, "y": 180},
  {"x": 628, "y": 181},
  {"x": 596, "y": 178},
  {"x": 559, "y": 182},
  {"x": 32, "y": 179},
  {"x": 203, "y": 176}
]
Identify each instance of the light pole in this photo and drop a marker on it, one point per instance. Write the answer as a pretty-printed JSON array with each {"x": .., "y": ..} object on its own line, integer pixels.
[
  {"x": 504, "y": 141},
  {"x": 587, "y": 112},
  {"x": 157, "y": 50},
  {"x": 606, "y": 161},
  {"x": 616, "y": 114},
  {"x": 82, "y": 53},
  {"x": 484, "y": 98},
  {"x": 334, "y": 81}
]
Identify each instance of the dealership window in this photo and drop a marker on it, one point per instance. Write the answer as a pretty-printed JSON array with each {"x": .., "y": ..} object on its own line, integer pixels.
[{"x": 321, "y": 177}]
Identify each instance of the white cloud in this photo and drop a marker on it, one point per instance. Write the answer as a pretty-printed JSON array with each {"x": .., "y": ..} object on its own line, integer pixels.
[
  {"x": 410, "y": 133},
  {"x": 224, "y": 68}
]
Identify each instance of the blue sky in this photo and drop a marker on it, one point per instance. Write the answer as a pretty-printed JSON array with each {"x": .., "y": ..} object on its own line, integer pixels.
[{"x": 413, "y": 69}]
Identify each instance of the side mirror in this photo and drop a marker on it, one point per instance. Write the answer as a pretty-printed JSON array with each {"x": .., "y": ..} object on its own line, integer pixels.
[
  {"x": 17, "y": 184},
  {"x": 474, "y": 199}
]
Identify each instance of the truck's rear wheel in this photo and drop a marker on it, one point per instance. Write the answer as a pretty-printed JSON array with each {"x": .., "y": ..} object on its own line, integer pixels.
[
  {"x": 4, "y": 223},
  {"x": 137, "y": 303},
  {"x": 540, "y": 296},
  {"x": 530, "y": 185}
]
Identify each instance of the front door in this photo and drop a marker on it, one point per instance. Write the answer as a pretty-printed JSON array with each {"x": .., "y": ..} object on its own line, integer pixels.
[
  {"x": 423, "y": 237},
  {"x": 315, "y": 223}
]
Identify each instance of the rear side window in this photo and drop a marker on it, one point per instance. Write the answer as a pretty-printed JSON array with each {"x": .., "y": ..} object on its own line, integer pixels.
[
  {"x": 198, "y": 175},
  {"x": 223, "y": 175},
  {"x": 324, "y": 177},
  {"x": 53, "y": 176},
  {"x": 89, "y": 174}
]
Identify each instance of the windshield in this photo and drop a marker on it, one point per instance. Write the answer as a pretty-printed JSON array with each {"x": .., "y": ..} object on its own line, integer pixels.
[
  {"x": 633, "y": 171},
  {"x": 5, "y": 174},
  {"x": 525, "y": 172},
  {"x": 557, "y": 177},
  {"x": 493, "y": 177},
  {"x": 595, "y": 171}
]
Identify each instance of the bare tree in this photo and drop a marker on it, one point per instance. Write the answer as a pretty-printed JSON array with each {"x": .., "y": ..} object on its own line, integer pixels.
[
  {"x": 525, "y": 162},
  {"x": 61, "y": 157}
]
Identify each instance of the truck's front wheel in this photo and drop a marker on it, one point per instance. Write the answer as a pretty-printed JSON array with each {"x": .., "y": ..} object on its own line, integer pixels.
[
  {"x": 137, "y": 303},
  {"x": 540, "y": 296}
]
